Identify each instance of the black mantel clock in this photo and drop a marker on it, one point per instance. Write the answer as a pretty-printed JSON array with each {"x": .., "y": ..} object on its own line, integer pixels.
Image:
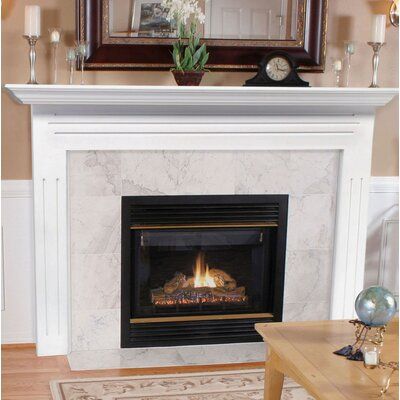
[{"x": 277, "y": 69}]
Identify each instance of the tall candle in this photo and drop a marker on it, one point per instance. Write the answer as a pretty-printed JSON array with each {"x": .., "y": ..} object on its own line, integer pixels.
[
  {"x": 378, "y": 30},
  {"x": 32, "y": 20}
]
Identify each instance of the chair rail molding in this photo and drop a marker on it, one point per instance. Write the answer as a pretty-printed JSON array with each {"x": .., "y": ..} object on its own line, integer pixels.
[{"x": 72, "y": 118}]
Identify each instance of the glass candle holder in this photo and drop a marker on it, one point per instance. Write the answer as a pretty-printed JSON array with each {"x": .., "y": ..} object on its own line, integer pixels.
[
  {"x": 55, "y": 38},
  {"x": 349, "y": 50},
  {"x": 82, "y": 50},
  {"x": 371, "y": 356},
  {"x": 71, "y": 60}
]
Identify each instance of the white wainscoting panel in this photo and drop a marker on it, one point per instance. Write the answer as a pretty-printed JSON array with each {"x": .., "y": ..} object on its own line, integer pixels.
[
  {"x": 17, "y": 267},
  {"x": 382, "y": 258},
  {"x": 18, "y": 300}
]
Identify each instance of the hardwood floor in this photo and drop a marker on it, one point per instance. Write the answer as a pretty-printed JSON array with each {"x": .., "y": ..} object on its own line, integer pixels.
[{"x": 25, "y": 376}]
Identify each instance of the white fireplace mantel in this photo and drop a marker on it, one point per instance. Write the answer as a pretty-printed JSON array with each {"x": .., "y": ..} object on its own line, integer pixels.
[{"x": 71, "y": 118}]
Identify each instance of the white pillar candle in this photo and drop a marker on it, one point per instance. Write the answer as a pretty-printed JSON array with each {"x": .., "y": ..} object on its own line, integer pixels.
[
  {"x": 32, "y": 20},
  {"x": 55, "y": 36},
  {"x": 378, "y": 30},
  {"x": 371, "y": 358}
]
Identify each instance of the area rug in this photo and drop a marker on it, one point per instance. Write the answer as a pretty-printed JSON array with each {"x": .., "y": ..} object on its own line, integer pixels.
[{"x": 229, "y": 385}]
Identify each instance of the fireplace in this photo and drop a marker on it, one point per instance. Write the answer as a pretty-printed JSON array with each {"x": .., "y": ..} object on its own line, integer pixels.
[{"x": 201, "y": 269}]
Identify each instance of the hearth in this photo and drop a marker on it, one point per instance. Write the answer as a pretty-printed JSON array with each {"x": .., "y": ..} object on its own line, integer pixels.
[{"x": 201, "y": 269}]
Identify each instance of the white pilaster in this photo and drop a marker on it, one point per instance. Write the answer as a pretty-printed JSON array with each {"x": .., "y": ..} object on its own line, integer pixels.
[{"x": 51, "y": 239}]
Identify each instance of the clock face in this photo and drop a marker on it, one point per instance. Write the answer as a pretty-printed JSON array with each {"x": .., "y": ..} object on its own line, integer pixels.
[{"x": 278, "y": 68}]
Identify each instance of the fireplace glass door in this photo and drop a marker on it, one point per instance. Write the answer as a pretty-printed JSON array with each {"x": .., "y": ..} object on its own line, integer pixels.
[{"x": 197, "y": 271}]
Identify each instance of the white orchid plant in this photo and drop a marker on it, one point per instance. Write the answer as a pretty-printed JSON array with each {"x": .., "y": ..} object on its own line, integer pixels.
[{"x": 188, "y": 55}]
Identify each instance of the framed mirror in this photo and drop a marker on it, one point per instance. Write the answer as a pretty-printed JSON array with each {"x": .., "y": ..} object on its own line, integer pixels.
[{"x": 134, "y": 34}]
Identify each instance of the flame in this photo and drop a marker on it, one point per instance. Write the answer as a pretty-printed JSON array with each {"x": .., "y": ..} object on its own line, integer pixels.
[{"x": 202, "y": 276}]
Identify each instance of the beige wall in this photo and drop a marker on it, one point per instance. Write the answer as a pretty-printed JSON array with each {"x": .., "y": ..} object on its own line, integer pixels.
[{"x": 348, "y": 19}]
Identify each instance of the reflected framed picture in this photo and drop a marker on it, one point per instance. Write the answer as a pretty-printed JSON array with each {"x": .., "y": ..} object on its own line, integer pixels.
[{"x": 149, "y": 19}]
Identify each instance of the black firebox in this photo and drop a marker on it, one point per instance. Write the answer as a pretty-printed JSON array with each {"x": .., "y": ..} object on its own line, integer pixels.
[{"x": 201, "y": 269}]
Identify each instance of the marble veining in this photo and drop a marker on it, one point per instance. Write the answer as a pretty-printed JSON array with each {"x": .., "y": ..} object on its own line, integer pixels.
[
  {"x": 167, "y": 356},
  {"x": 311, "y": 222},
  {"x": 96, "y": 329},
  {"x": 307, "y": 279},
  {"x": 291, "y": 172},
  {"x": 95, "y": 224},
  {"x": 176, "y": 173},
  {"x": 98, "y": 179},
  {"x": 307, "y": 311},
  {"x": 94, "y": 173},
  {"x": 98, "y": 285}
]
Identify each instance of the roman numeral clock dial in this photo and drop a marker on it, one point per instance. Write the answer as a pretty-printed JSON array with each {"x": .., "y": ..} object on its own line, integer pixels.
[{"x": 278, "y": 68}]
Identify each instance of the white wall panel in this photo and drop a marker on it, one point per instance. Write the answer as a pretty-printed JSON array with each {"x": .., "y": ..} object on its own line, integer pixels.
[
  {"x": 18, "y": 296},
  {"x": 382, "y": 257}
]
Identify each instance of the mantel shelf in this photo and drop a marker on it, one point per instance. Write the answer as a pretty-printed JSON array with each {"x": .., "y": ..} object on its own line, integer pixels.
[{"x": 314, "y": 100}]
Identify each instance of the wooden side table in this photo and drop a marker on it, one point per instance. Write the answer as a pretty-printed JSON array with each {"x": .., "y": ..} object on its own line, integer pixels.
[{"x": 303, "y": 351}]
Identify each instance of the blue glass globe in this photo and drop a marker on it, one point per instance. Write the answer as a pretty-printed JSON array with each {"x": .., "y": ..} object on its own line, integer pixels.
[{"x": 375, "y": 306}]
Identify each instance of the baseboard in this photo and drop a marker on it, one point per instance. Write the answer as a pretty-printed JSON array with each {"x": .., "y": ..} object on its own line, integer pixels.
[{"x": 23, "y": 345}]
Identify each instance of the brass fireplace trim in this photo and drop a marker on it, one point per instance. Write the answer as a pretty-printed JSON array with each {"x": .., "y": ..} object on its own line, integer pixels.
[
  {"x": 199, "y": 318},
  {"x": 207, "y": 225}
]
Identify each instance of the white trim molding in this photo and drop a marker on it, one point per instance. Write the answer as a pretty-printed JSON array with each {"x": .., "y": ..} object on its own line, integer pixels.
[
  {"x": 71, "y": 118},
  {"x": 384, "y": 184},
  {"x": 347, "y": 100},
  {"x": 16, "y": 189}
]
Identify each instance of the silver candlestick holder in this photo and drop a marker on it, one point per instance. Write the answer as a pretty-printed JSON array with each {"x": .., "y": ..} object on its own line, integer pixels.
[
  {"x": 376, "y": 47},
  {"x": 32, "y": 40}
]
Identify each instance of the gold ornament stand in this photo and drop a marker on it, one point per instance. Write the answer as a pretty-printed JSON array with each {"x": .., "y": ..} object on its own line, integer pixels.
[
  {"x": 394, "y": 366},
  {"x": 363, "y": 333}
]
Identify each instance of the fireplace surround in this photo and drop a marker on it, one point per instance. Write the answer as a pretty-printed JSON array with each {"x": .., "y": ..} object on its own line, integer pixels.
[
  {"x": 107, "y": 118},
  {"x": 201, "y": 269}
]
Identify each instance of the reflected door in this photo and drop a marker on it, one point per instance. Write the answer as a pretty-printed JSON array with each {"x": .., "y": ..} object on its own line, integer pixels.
[{"x": 250, "y": 19}]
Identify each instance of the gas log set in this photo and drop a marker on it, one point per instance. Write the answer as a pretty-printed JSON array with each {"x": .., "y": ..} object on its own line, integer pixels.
[{"x": 206, "y": 286}]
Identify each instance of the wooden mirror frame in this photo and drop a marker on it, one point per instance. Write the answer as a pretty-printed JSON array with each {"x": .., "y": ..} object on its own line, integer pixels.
[{"x": 124, "y": 53}]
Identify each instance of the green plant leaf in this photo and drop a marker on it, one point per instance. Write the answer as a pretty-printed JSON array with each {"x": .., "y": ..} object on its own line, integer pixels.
[
  {"x": 189, "y": 58},
  {"x": 204, "y": 60},
  {"x": 198, "y": 54},
  {"x": 178, "y": 61},
  {"x": 186, "y": 59},
  {"x": 175, "y": 55}
]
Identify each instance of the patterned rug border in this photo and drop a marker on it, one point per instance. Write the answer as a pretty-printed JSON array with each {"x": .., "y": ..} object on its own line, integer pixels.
[{"x": 55, "y": 385}]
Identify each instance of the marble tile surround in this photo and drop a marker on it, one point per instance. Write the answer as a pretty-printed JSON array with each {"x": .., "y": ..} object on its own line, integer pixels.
[{"x": 97, "y": 180}]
